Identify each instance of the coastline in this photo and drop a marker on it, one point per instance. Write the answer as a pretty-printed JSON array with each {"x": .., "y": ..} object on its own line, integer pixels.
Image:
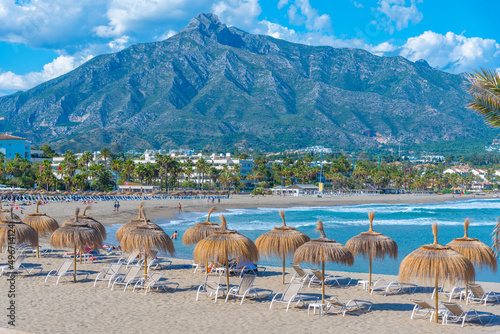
[{"x": 168, "y": 209}]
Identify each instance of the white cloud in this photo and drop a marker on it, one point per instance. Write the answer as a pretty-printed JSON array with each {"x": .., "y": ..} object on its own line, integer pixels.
[
  {"x": 452, "y": 52},
  {"x": 119, "y": 43},
  {"x": 239, "y": 13},
  {"x": 59, "y": 66},
  {"x": 396, "y": 13},
  {"x": 358, "y": 5},
  {"x": 382, "y": 49},
  {"x": 302, "y": 13},
  {"x": 282, "y": 3}
]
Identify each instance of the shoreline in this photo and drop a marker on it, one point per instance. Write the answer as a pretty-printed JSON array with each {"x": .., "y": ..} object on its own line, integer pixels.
[{"x": 168, "y": 209}]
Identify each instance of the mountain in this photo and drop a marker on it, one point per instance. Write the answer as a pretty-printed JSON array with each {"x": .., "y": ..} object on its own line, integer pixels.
[{"x": 213, "y": 86}]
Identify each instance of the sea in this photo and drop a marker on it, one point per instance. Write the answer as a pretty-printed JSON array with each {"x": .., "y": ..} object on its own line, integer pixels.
[{"x": 410, "y": 225}]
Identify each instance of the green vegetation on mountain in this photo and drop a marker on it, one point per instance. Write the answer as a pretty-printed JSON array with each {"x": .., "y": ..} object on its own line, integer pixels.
[{"x": 216, "y": 87}]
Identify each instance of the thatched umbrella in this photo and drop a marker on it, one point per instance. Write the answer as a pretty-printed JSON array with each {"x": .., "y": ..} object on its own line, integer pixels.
[
  {"x": 223, "y": 245},
  {"x": 281, "y": 241},
  {"x": 92, "y": 223},
  {"x": 77, "y": 235},
  {"x": 5, "y": 214},
  {"x": 22, "y": 233},
  {"x": 147, "y": 237},
  {"x": 200, "y": 231},
  {"x": 372, "y": 245},
  {"x": 479, "y": 253},
  {"x": 438, "y": 262},
  {"x": 125, "y": 228},
  {"x": 42, "y": 223},
  {"x": 321, "y": 250}
]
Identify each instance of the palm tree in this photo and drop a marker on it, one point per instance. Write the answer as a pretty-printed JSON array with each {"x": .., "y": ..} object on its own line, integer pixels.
[
  {"x": 164, "y": 162},
  {"x": 105, "y": 155},
  {"x": 202, "y": 168},
  {"x": 116, "y": 166},
  {"x": 484, "y": 88},
  {"x": 128, "y": 167}
]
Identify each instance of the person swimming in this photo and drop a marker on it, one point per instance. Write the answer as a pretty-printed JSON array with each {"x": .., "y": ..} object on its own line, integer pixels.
[{"x": 174, "y": 236}]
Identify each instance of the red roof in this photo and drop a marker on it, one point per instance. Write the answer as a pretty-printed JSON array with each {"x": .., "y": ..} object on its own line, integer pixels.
[{"x": 9, "y": 137}]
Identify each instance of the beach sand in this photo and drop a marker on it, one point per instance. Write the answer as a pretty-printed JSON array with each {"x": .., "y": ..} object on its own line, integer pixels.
[{"x": 80, "y": 307}]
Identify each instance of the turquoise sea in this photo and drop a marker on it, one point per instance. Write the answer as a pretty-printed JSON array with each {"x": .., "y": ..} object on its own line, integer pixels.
[{"x": 408, "y": 224}]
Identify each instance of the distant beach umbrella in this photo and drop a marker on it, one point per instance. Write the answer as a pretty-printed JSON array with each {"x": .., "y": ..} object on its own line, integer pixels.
[
  {"x": 125, "y": 228},
  {"x": 147, "y": 237},
  {"x": 479, "y": 253},
  {"x": 322, "y": 250},
  {"x": 42, "y": 223},
  {"x": 5, "y": 214},
  {"x": 436, "y": 262},
  {"x": 200, "y": 231},
  {"x": 77, "y": 235},
  {"x": 92, "y": 223},
  {"x": 23, "y": 234},
  {"x": 281, "y": 242},
  {"x": 372, "y": 245},
  {"x": 223, "y": 245}
]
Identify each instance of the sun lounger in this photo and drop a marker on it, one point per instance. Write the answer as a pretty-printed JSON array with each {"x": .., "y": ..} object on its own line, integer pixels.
[
  {"x": 455, "y": 292},
  {"x": 63, "y": 271},
  {"x": 300, "y": 274},
  {"x": 18, "y": 267},
  {"x": 291, "y": 295},
  {"x": 127, "y": 279},
  {"x": 245, "y": 289},
  {"x": 154, "y": 282},
  {"x": 108, "y": 273},
  {"x": 329, "y": 279},
  {"x": 211, "y": 286},
  {"x": 130, "y": 259},
  {"x": 423, "y": 309},
  {"x": 478, "y": 295},
  {"x": 335, "y": 306},
  {"x": 392, "y": 287},
  {"x": 456, "y": 314}
]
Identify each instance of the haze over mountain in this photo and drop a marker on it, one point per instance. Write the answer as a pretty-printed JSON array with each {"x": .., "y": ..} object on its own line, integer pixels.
[{"x": 215, "y": 86}]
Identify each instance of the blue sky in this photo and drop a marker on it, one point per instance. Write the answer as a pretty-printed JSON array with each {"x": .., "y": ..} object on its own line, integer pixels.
[{"x": 42, "y": 39}]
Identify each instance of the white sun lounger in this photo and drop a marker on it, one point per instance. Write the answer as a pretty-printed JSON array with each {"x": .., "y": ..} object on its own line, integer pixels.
[
  {"x": 211, "y": 286},
  {"x": 245, "y": 288},
  {"x": 63, "y": 271},
  {"x": 478, "y": 295},
  {"x": 456, "y": 314},
  {"x": 154, "y": 282},
  {"x": 336, "y": 307},
  {"x": 291, "y": 295},
  {"x": 108, "y": 273},
  {"x": 392, "y": 287},
  {"x": 18, "y": 267},
  {"x": 127, "y": 279},
  {"x": 329, "y": 279}
]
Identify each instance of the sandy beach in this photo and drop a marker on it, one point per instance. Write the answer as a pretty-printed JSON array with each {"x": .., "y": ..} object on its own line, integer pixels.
[{"x": 79, "y": 307}]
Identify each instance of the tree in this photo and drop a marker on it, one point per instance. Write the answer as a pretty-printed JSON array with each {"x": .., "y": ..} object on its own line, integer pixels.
[
  {"x": 105, "y": 155},
  {"x": 48, "y": 152},
  {"x": 484, "y": 88},
  {"x": 202, "y": 168},
  {"x": 116, "y": 166},
  {"x": 128, "y": 168}
]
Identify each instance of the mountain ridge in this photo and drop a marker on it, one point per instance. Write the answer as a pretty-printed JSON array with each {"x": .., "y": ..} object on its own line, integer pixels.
[{"x": 213, "y": 86}]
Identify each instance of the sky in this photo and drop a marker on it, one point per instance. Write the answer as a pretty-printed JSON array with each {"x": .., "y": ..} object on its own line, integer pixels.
[{"x": 43, "y": 39}]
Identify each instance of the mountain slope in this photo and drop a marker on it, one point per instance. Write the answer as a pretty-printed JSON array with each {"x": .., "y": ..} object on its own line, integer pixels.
[{"x": 213, "y": 86}]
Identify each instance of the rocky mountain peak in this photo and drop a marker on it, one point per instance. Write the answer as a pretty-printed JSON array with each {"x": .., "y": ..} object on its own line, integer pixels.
[{"x": 206, "y": 23}]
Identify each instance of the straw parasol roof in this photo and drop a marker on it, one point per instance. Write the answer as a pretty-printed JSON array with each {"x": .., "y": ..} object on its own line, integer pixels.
[
  {"x": 200, "y": 231},
  {"x": 92, "y": 223},
  {"x": 42, "y": 223},
  {"x": 125, "y": 228},
  {"x": 223, "y": 245},
  {"x": 23, "y": 234},
  {"x": 372, "y": 245},
  {"x": 477, "y": 252},
  {"x": 436, "y": 262},
  {"x": 5, "y": 214},
  {"x": 76, "y": 234},
  {"x": 147, "y": 237},
  {"x": 322, "y": 250},
  {"x": 281, "y": 242}
]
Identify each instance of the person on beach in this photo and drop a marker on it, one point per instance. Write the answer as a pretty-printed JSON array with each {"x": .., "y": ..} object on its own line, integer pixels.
[
  {"x": 174, "y": 236},
  {"x": 117, "y": 206},
  {"x": 114, "y": 206},
  {"x": 180, "y": 207}
]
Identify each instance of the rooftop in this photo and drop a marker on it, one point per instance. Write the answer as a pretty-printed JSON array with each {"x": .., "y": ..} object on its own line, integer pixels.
[{"x": 9, "y": 137}]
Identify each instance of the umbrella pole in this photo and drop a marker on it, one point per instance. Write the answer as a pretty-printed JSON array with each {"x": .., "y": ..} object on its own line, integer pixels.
[
  {"x": 323, "y": 282},
  {"x": 283, "y": 267},
  {"x": 436, "y": 298},
  {"x": 370, "y": 273},
  {"x": 37, "y": 249},
  {"x": 227, "y": 274},
  {"x": 74, "y": 265},
  {"x": 145, "y": 266}
]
